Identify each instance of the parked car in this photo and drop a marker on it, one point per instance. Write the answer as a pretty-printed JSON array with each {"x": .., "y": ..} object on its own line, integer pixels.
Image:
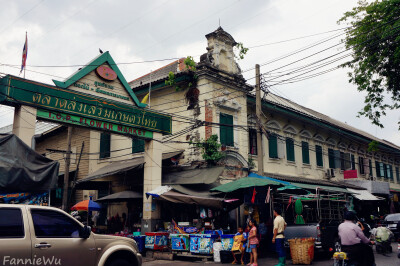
[
  {"x": 37, "y": 235},
  {"x": 391, "y": 221}
]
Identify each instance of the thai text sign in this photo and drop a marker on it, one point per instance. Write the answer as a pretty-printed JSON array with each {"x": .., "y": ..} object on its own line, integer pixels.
[
  {"x": 86, "y": 122},
  {"x": 51, "y": 98}
]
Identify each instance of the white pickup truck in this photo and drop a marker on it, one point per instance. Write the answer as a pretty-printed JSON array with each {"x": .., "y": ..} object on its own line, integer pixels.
[{"x": 35, "y": 235}]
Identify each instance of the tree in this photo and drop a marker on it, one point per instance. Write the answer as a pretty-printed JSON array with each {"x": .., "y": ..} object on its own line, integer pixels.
[{"x": 374, "y": 37}]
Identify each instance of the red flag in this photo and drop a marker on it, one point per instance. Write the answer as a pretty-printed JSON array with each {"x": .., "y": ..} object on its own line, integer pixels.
[
  {"x": 24, "y": 53},
  {"x": 268, "y": 195},
  {"x": 253, "y": 198}
]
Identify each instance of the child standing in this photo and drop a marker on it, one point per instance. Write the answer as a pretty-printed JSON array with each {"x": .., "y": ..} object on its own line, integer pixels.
[{"x": 237, "y": 246}]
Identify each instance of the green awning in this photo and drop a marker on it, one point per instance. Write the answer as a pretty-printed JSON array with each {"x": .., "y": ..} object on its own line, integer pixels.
[
  {"x": 245, "y": 183},
  {"x": 323, "y": 188}
]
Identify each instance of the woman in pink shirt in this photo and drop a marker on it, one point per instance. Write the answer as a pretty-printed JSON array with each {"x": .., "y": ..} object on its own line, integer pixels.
[{"x": 253, "y": 242}]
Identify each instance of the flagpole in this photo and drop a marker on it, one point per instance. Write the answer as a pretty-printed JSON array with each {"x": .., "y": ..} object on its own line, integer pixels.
[{"x": 26, "y": 39}]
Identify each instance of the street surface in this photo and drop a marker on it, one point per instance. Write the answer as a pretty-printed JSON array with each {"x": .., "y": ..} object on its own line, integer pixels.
[{"x": 381, "y": 260}]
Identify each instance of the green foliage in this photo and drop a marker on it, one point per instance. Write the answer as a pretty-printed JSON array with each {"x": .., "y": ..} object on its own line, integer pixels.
[
  {"x": 191, "y": 66},
  {"x": 251, "y": 163},
  {"x": 242, "y": 51},
  {"x": 171, "y": 81},
  {"x": 210, "y": 149},
  {"x": 373, "y": 146},
  {"x": 374, "y": 37}
]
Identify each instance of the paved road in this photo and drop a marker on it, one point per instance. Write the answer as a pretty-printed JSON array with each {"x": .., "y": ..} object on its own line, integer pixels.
[{"x": 381, "y": 260}]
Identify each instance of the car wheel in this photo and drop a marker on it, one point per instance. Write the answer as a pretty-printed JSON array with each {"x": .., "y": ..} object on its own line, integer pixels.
[{"x": 119, "y": 262}]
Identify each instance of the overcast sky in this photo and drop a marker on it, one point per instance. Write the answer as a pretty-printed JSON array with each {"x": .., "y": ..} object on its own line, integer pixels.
[{"x": 62, "y": 35}]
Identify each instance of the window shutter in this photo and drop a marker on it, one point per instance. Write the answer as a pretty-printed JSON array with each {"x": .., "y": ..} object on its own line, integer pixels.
[
  {"x": 305, "y": 152},
  {"x": 226, "y": 131},
  {"x": 397, "y": 174},
  {"x": 318, "y": 152},
  {"x": 337, "y": 158},
  {"x": 378, "y": 172},
  {"x": 290, "y": 149},
  {"x": 390, "y": 172},
  {"x": 361, "y": 165},
  {"x": 382, "y": 169},
  {"x": 331, "y": 156},
  {"x": 273, "y": 146},
  {"x": 105, "y": 143},
  {"x": 137, "y": 145},
  {"x": 353, "y": 162}
]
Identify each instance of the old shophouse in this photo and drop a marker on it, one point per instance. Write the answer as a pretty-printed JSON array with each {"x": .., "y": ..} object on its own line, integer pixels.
[{"x": 302, "y": 145}]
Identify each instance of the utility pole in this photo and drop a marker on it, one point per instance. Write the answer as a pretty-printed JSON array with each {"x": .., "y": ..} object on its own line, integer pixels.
[
  {"x": 66, "y": 171},
  {"x": 260, "y": 161}
]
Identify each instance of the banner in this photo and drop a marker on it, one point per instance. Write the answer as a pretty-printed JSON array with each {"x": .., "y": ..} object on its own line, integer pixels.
[{"x": 41, "y": 199}]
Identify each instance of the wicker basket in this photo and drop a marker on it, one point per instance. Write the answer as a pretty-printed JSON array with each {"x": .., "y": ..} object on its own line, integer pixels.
[{"x": 302, "y": 250}]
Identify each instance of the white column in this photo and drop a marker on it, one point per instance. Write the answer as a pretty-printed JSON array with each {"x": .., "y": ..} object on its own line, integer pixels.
[
  {"x": 151, "y": 180},
  {"x": 24, "y": 123}
]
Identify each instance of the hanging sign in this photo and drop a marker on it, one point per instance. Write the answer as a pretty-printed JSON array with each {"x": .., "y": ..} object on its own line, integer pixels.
[{"x": 349, "y": 174}]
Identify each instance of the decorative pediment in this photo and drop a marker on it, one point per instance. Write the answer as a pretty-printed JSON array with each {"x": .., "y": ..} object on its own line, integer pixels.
[
  {"x": 251, "y": 120},
  {"x": 319, "y": 138},
  {"x": 290, "y": 129},
  {"x": 305, "y": 134},
  {"x": 272, "y": 124},
  {"x": 101, "y": 77},
  {"x": 352, "y": 148},
  {"x": 342, "y": 146},
  {"x": 331, "y": 142}
]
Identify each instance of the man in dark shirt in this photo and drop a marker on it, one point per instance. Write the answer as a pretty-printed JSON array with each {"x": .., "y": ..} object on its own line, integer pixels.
[{"x": 354, "y": 241}]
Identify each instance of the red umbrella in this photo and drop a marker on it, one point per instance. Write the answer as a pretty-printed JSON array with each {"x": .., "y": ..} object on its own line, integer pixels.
[{"x": 86, "y": 205}]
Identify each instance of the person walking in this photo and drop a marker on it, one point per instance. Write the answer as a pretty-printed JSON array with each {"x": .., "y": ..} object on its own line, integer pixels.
[
  {"x": 279, "y": 237},
  {"x": 253, "y": 242}
]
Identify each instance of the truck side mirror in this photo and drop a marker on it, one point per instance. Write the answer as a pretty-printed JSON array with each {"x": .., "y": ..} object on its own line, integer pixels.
[{"x": 85, "y": 231}]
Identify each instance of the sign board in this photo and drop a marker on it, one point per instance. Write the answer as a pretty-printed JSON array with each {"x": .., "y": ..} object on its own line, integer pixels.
[
  {"x": 348, "y": 174},
  {"x": 97, "y": 96},
  {"x": 86, "y": 122}
]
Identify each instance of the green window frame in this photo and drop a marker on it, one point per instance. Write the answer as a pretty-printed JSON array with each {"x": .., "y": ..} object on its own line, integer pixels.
[
  {"x": 105, "y": 145},
  {"x": 273, "y": 146},
  {"x": 397, "y": 174},
  {"x": 318, "y": 154},
  {"x": 305, "y": 152},
  {"x": 353, "y": 162},
  {"x": 361, "y": 165},
  {"x": 331, "y": 157},
  {"x": 226, "y": 129},
  {"x": 290, "y": 149},
  {"x": 137, "y": 145},
  {"x": 382, "y": 168},
  {"x": 389, "y": 171}
]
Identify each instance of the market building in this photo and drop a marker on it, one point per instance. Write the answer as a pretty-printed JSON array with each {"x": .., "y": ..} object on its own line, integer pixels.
[{"x": 301, "y": 145}]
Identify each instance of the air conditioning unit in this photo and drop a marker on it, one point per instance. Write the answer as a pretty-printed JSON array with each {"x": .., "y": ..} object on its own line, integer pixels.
[{"x": 330, "y": 173}]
